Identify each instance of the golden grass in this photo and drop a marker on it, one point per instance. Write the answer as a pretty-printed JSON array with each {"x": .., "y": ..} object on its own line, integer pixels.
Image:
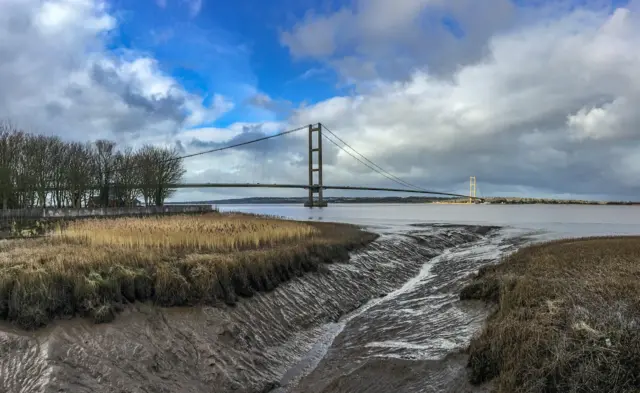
[
  {"x": 568, "y": 318},
  {"x": 94, "y": 267},
  {"x": 218, "y": 233}
]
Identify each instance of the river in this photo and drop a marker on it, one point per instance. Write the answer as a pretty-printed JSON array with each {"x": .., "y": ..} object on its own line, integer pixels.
[{"x": 556, "y": 220}]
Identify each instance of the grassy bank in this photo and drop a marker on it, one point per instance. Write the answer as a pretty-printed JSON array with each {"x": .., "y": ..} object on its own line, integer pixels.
[
  {"x": 567, "y": 318},
  {"x": 94, "y": 267}
]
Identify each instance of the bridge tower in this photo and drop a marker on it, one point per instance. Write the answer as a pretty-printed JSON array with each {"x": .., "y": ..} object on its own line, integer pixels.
[
  {"x": 472, "y": 189},
  {"x": 315, "y": 188}
]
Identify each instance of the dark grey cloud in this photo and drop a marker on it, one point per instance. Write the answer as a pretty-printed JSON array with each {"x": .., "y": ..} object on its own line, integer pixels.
[
  {"x": 165, "y": 107},
  {"x": 373, "y": 39}
]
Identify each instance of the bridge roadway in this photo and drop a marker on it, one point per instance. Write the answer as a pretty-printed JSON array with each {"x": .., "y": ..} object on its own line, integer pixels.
[
  {"x": 306, "y": 187},
  {"x": 298, "y": 186}
]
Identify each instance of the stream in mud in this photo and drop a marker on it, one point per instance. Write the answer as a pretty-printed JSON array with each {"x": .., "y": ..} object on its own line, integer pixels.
[
  {"x": 410, "y": 339},
  {"x": 389, "y": 320}
]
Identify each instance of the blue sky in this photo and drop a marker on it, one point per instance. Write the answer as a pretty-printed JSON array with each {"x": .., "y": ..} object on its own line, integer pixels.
[{"x": 231, "y": 48}]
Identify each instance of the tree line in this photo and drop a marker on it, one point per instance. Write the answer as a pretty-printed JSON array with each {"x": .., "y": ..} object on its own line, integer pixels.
[{"x": 41, "y": 171}]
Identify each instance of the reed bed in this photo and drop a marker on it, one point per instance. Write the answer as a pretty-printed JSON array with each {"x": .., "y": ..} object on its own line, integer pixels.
[
  {"x": 567, "y": 318},
  {"x": 94, "y": 268},
  {"x": 218, "y": 233}
]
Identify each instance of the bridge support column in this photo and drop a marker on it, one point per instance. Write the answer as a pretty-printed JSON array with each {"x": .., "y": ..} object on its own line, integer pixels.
[{"x": 315, "y": 188}]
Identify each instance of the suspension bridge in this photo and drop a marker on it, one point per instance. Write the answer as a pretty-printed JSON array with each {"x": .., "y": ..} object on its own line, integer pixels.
[{"x": 315, "y": 185}]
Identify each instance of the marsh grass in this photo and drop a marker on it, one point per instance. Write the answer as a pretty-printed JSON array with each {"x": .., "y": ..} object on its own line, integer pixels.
[
  {"x": 219, "y": 233},
  {"x": 95, "y": 267},
  {"x": 567, "y": 319}
]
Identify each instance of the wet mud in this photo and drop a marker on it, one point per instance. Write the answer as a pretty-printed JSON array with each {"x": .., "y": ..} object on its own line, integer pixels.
[
  {"x": 413, "y": 339},
  {"x": 389, "y": 320}
]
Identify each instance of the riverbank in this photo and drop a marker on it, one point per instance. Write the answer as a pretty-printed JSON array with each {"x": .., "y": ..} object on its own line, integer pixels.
[
  {"x": 93, "y": 268},
  {"x": 270, "y": 340},
  {"x": 566, "y": 319}
]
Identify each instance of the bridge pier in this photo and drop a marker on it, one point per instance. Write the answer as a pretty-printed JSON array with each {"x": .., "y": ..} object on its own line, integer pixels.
[{"x": 315, "y": 188}]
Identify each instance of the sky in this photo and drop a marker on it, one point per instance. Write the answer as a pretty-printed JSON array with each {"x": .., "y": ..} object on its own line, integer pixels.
[{"x": 535, "y": 98}]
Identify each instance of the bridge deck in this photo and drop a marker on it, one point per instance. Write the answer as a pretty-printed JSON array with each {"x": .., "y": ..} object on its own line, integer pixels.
[
  {"x": 297, "y": 186},
  {"x": 306, "y": 187}
]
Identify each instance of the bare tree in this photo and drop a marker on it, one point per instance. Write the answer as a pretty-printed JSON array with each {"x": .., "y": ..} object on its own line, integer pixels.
[
  {"x": 145, "y": 172},
  {"x": 158, "y": 168},
  {"x": 125, "y": 177},
  {"x": 170, "y": 170},
  {"x": 37, "y": 151},
  {"x": 59, "y": 161},
  {"x": 10, "y": 152},
  {"x": 78, "y": 174},
  {"x": 104, "y": 160},
  {"x": 35, "y": 169}
]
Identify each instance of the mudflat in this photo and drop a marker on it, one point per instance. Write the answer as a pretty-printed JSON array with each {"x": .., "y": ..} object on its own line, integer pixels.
[
  {"x": 567, "y": 318},
  {"x": 269, "y": 342}
]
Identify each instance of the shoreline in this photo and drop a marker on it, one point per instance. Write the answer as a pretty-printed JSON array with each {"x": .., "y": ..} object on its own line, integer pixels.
[{"x": 563, "y": 319}]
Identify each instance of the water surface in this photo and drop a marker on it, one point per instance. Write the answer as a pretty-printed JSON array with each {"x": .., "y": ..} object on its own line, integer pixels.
[{"x": 556, "y": 220}]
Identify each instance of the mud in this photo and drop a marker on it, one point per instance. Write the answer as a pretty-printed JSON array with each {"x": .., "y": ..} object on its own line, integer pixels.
[{"x": 387, "y": 321}]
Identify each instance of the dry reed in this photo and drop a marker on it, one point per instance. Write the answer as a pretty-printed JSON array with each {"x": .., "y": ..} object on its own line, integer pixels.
[
  {"x": 218, "y": 233},
  {"x": 94, "y": 267},
  {"x": 567, "y": 319}
]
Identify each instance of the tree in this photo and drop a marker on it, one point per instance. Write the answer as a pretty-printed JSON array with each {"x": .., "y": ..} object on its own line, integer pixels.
[
  {"x": 10, "y": 152},
  {"x": 78, "y": 174},
  {"x": 58, "y": 158},
  {"x": 125, "y": 177},
  {"x": 169, "y": 171},
  {"x": 104, "y": 160},
  {"x": 34, "y": 172},
  {"x": 158, "y": 167},
  {"x": 35, "y": 169}
]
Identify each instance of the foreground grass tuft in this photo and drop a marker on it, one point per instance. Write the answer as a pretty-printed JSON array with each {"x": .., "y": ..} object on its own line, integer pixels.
[
  {"x": 567, "y": 319},
  {"x": 94, "y": 267}
]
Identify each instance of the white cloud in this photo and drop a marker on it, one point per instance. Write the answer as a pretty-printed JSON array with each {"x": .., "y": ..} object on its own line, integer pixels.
[
  {"x": 550, "y": 106},
  {"x": 59, "y": 78}
]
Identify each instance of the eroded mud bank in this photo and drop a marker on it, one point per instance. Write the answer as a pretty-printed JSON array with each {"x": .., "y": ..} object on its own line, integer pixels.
[{"x": 291, "y": 339}]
